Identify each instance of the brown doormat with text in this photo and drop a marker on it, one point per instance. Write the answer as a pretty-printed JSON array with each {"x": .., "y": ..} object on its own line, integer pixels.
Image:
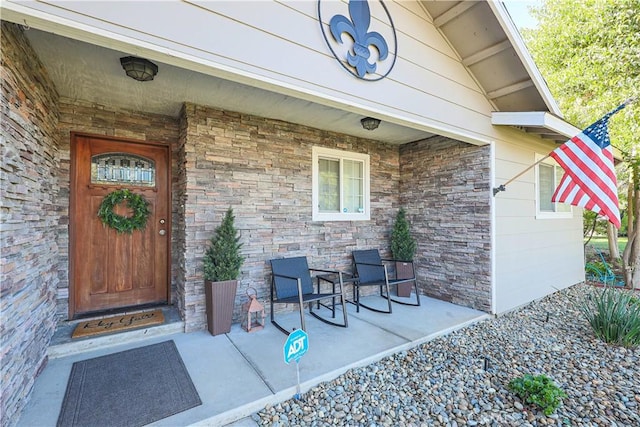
[{"x": 119, "y": 323}]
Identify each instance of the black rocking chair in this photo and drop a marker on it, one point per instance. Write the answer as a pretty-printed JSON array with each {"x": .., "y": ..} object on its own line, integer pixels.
[
  {"x": 292, "y": 284},
  {"x": 371, "y": 271}
]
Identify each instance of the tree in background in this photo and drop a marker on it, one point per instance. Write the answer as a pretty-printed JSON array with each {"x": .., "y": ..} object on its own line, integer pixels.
[{"x": 589, "y": 53}]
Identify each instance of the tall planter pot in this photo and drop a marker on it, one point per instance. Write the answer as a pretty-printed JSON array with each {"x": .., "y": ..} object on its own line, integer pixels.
[
  {"x": 404, "y": 270},
  {"x": 403, "y": 248},
  {"x": 220, "y": 300}
]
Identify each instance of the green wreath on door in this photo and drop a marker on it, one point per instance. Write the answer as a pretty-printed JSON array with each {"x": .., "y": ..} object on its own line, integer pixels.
[{"x": 124, "y": 224}]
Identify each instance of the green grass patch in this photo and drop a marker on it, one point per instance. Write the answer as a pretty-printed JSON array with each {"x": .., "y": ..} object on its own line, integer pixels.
[{"x": 602, "y": 243}]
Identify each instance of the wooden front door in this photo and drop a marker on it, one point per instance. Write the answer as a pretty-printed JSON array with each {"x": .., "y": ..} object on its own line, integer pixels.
[{"x": 111, "y": 270}]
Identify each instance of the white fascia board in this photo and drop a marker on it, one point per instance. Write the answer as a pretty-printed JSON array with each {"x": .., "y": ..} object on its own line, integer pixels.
[
  {"x": 503, "y": 17},
  {"x": 539, "y": 119}
]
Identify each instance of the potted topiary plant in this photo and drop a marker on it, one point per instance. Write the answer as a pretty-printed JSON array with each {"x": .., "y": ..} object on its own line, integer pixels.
[
  {"x": 222, "y": 262},
  {"x": 403, "y": 248}
]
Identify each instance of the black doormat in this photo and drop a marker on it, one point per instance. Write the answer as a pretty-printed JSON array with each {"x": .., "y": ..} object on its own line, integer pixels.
[{"x": 130, "y": 388}]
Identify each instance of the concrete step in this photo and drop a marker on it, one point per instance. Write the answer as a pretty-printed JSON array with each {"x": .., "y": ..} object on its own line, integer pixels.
[{"x": 63, "y": 345}]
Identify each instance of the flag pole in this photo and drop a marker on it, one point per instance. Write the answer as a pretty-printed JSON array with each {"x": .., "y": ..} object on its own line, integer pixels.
[{"x": 502, "y": 187}]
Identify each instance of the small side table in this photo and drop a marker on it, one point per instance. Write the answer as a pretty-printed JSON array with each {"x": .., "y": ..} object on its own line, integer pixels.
[{"x": 347, "y": 279}]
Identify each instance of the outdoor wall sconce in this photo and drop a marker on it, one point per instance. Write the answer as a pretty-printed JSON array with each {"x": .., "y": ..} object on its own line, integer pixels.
[
  {"x": 253, "y": 312},
  {"x": 369, "y": 123},
  {"x": 139, "y": 69}
]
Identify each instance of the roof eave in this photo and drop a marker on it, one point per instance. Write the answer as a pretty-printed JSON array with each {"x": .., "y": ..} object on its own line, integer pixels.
[
  {"x": 559, "y": 129},
  {"x": 503, "y": 17},
  {"x": 543, "y": 124}
]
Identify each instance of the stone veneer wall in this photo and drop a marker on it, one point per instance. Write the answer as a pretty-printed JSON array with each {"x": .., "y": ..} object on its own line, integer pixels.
[
  {"x": 178, "y": 269},
  {"x": 445, "y": 187},
  {"x": 262, "y": 169},
  {"x": 96, "y": 119},
  {"x": 30, "y": 217}
]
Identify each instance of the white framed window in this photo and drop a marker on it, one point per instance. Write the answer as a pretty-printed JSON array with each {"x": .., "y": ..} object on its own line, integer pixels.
[
  {"x": 340, "y": 182},
  {"x": 548, "y": 176}
]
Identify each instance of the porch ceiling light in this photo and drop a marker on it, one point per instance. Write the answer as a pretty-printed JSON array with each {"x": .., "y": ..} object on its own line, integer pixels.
[
  {"x": 139, "y": 69},
  {"x": 369, "y": 123}
]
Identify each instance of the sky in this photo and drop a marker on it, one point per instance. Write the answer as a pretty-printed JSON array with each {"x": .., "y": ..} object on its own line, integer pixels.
[{"x": 519, "y": 11}]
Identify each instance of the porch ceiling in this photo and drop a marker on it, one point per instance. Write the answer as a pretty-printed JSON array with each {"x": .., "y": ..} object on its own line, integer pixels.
[{"x": 84, "y": 71}]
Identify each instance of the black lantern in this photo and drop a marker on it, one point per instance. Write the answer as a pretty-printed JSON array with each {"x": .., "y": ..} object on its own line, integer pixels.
[
  {"x": 369, "y": 123},
  {"x": 139, "y": 69}
]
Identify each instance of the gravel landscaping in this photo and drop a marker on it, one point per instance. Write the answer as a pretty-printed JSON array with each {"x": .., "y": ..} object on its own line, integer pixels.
[{"x": 462, "y": 379}]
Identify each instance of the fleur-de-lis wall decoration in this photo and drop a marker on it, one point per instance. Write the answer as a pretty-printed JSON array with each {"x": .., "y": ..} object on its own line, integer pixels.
[
  {"x": 358, "y": 29},
  {"x": 354, "y": 33}
]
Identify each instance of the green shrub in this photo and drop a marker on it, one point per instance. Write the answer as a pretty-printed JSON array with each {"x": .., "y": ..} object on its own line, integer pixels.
[
  {"x": 539, "y": 390},
  {"x": 403, "y": 246},
  {"x": 614, "y": 316},
  {"x": 602, "y": 267},
  {"x": 222, "y": 259}
]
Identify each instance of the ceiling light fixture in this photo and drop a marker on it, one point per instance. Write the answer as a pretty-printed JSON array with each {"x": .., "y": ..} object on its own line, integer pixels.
[
  {"x": 369, "y": 123},
  {"x": 139, "y": 69}
]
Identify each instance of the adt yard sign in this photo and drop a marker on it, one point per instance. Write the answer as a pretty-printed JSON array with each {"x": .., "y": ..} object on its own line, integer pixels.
[{"x": 297, "y": 344}]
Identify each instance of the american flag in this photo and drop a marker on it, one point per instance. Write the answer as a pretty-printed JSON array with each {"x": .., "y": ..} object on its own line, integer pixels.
[{"x": 590, "y": 178}]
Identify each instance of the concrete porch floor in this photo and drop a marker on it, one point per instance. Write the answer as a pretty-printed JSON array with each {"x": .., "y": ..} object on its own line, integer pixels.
[{"x": 238, "y": 373}]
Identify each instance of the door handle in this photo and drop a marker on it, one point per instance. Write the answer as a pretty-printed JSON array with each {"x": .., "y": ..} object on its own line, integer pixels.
[{"x": 162, "y": 232}]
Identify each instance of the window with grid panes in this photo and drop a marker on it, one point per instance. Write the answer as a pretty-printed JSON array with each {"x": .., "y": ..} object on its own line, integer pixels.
[{"x": 340, "y": 185}]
